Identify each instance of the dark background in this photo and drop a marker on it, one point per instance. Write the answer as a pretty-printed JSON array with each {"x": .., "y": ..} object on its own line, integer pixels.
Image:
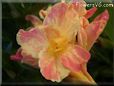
[{"x": 100, "y": 65}]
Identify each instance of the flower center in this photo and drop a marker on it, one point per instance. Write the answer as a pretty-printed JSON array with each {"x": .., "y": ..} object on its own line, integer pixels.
[{"x": 57, "y": 46}]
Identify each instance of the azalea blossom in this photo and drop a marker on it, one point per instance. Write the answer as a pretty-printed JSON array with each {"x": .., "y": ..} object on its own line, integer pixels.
[{"x": 59, "y": 45}]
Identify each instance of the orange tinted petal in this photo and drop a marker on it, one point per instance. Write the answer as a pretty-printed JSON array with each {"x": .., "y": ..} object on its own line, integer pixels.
[
  {"x": 65, "y": 19},
  {"x": 70, "y": 24},
  {"x": 51, "y": 33},
  {"x": 85, "y": 22}
]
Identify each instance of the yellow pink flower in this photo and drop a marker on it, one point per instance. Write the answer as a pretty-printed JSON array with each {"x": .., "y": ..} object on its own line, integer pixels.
[{"x": 60, "y": 44}]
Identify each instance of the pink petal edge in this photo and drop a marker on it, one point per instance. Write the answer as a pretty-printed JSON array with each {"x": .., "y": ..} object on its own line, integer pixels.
[
  {"x": 96, "y": 28},
  {"x": 75, "y": 58},
  {"x": 17, "y": 56},
  {"x": 52, "y": 69},
  {"x": 33, "y": 19},
  {"x": 21, "y": 57},
  {"x": 90, "y": 12},
  {"x": 31, "y": 41}
]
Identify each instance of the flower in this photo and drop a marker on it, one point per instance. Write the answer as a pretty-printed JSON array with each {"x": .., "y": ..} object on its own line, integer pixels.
[
  {"x": 86, "y": 38},
  {"x": 60, "y": 44}
]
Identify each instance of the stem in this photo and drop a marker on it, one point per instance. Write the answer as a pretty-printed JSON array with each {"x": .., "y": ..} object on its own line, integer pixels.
[
  {"x": 84, "y": 69},
  {"x": 81, "y": 77}
]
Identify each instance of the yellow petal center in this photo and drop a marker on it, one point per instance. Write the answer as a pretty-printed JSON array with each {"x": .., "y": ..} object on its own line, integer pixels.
[{"x": 57, "y": 46}]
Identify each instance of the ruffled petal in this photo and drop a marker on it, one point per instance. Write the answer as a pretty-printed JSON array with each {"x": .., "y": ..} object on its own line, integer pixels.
[
  {"x": 31, "y": 41},
  {"x": 70, "y": 24},
  {"x": 90, "y": 12},
  {"x": 56, "y": 14},
  {"x": 51, "y": 68},
  {"x": 74, "y": 58},
  {"x": 59, "y": 17},
  {"x": 96, "y": 28}
]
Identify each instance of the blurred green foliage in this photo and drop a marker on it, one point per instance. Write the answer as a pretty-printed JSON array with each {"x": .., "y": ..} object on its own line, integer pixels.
[{"x": 100, "y": 65}]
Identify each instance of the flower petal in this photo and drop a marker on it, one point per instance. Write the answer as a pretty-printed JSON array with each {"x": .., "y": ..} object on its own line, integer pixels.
[
  {"x": 27, "y": 59},
  {"x": 58, "y": 18},
  {"x": 85, "y": 22},
  {"x": 51, "y": 68},
  {"x": 56, "y": 14},
  {"x": 90, "y": 12},
  {"x": 54, "y": 33},
  {"x": 17, "y": 56},
  {"x": 79, "y": 6},
  {"x": 70, "y": 25},
  {"x": 82, "y": 38},
  {"x": 96, "y": 28},
  {"x": 43, "y": 13},
  {"x": 75, "y": 57},
  {"x": 31, "y": 41},
  {"x": 80, "y": 78},
  {"x": 34, "y": 20}
]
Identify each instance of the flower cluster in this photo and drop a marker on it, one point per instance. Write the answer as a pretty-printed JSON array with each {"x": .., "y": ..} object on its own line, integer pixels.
[{"x": 59, "y": 45}]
